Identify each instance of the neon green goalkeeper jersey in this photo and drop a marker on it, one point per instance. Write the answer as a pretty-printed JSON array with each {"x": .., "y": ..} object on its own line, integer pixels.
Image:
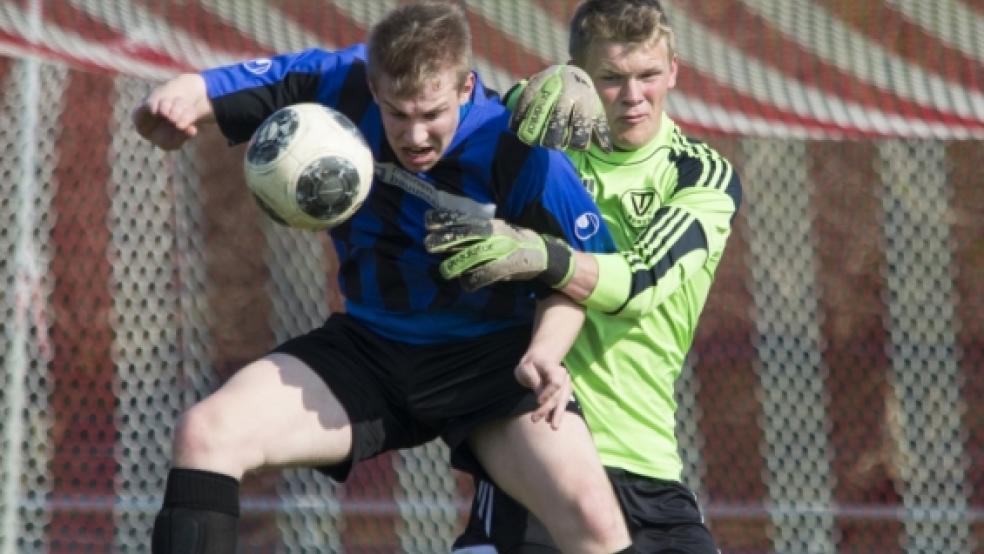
[{"x": 669, "y": 206}]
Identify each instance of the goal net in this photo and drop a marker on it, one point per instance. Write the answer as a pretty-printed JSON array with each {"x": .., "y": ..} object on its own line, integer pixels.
[{"x": 832, "y": 399}]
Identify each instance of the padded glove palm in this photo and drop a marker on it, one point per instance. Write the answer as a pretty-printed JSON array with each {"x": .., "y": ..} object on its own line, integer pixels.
[{"x": 559, "y": 108}]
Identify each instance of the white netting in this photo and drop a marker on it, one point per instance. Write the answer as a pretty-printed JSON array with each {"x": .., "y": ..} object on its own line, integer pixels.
[{"x": 831, "y": 401}]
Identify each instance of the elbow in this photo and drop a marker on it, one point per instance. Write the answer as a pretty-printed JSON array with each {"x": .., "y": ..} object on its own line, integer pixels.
[{"x": 636, "y": 308}]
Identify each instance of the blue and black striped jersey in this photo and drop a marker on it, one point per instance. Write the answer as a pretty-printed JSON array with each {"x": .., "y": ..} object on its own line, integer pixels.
[{"x": 389, "y": 281}]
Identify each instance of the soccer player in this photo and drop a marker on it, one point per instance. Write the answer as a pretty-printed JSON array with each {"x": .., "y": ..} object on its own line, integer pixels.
[
  {"x": 414, "y": 357},
  {"x": 669, "y": 201}
]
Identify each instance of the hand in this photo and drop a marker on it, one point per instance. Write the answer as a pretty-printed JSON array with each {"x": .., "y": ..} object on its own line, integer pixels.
[
  {"x": 559, "y": 108},
  {"x": 487, "y": 251},
  {"x": 168, "y": 116},
  {"x": 552, "y": 385}
]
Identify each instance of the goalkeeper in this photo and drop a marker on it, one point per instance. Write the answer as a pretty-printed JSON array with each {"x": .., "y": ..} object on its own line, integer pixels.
[{"x": 669, "y": 201}]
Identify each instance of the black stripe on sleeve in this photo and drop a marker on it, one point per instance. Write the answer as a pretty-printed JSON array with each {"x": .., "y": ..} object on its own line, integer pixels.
[
  {"x": 238, "y": 114},
  {"x": 690, "y": 169},
  {"x": 692, "y": 239},
  {"x": 698, "y": 165}
]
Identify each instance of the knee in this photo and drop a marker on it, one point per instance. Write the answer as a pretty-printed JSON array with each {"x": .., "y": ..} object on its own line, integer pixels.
[
  {"x": 597, "y": 512},
  {"x": 204, "y": 439}
]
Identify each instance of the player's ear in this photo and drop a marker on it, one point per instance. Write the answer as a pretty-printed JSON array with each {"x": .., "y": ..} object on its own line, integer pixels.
[
  {"x": 673, "y": 72},
  {"x": 464, "y": 94}
]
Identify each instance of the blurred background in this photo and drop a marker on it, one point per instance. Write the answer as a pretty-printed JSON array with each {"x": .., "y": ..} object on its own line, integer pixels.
[{"x": 832, "y": 401}]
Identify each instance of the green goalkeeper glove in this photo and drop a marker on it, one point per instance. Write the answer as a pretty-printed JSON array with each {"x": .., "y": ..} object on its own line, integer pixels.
[
  {"x": 559, "y": 108},
  {"x": 485, "y": 251}
]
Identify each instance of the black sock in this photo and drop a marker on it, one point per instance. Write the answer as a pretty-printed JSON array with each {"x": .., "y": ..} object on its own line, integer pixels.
[{"x": 200, "y": 514}]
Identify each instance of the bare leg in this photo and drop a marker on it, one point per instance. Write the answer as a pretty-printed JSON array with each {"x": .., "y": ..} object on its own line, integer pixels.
[
  {"x": 273, "y": 412},
  {"x": 557, "y": 475}
]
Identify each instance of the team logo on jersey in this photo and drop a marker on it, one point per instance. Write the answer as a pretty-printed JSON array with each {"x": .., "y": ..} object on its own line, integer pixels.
[
  {"x": 259, "y": 66},
  {"x": 639, "y": 206},
  {"x": 586, "y": 225}
]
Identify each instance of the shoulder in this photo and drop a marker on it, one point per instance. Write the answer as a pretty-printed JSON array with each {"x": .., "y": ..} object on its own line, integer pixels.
[
  {"x": 314, "y": 59},
  {"x": 701, "y": 166},
  {"x": 514, "y": 151},
  {"x": 685, "y": 146}
]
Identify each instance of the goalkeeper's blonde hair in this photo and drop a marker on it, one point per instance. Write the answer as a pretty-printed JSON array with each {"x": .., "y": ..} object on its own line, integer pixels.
[
  {"x": 415, "y": 42},
  {"x": 640, "y": 22}
]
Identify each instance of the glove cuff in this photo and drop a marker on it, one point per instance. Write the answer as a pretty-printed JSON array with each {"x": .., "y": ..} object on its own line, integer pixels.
[
  {"x": 560, "y": 263},
  {"x": 511, "y": 97}
]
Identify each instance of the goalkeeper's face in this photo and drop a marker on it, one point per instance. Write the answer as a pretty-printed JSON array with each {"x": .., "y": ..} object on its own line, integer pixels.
[
  {"x": 633, "y": 81},
  {"x": 419, "y": 127}
]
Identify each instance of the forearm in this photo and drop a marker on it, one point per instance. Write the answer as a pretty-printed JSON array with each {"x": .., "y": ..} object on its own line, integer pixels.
[
  {"x": 558, "y": 322},
  {"x": 585, "y": 278},
  {"x": 635, "y": 281}
]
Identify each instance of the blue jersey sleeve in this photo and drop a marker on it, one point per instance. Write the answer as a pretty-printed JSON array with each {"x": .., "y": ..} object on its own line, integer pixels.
[
  {"x": 549, "y": 198},
  {"x": 244, "y": 94}
]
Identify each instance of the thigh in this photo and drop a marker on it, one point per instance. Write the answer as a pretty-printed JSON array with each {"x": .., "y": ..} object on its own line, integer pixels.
[
  {"x": 465, "y": 385},
  {"x": 663, "y": 518},
  {"x": 495, "y": 519},
  {"x": 543, "y": 468},
  {"x": 368, "y": 378},
  {"x": 275, "y": 411}
]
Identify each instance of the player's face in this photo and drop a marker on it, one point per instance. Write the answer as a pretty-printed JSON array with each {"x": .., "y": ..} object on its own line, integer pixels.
[
  {"x": 633, "y": 81},
  {"x": 420, "y": 128}
]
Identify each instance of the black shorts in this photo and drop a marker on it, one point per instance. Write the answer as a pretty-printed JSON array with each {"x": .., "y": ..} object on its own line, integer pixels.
[
  {"x": 400, "y": 395},
  {"x": 662, "y": 517}
]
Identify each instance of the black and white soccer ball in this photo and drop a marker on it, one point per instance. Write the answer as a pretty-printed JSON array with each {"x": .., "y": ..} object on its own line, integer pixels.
[{"x": 308, "y": 167}]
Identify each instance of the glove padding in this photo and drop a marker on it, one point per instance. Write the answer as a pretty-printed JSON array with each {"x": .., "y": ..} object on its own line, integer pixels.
[
  {"x": 559, "y": 108},
  {"x": 485, "y": 251}
]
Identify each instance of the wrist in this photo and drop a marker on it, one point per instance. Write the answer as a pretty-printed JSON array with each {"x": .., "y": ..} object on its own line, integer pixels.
[
  {"x": 560, "y": 263},
  {"x": 585, "y": 278}
]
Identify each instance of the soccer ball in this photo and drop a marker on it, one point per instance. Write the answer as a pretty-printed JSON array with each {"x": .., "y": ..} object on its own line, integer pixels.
[{"x": 308, "y": 167}]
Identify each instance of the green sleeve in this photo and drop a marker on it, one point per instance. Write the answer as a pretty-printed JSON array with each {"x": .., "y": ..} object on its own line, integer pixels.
[{"x": 685, "y": 239}]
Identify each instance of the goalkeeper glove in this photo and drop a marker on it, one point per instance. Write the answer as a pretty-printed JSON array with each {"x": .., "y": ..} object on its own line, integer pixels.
[
  {"x": 485, "y": 251},
  {"x": 559, "y": 108}
]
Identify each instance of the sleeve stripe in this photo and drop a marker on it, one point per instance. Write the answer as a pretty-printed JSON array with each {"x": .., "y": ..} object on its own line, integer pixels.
[
  {"x": 715, "y": 170},
  {"x": 723, "y": 178},
  {"x": 682, "y": 220},
  {"x": 692, "y": 239},
  {"x": 655, "y": 242}
]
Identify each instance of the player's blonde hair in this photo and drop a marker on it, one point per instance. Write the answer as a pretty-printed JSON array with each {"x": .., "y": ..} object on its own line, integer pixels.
[
  {"x": 415, "y": 42},
  {"x": 640, "y": 22}
]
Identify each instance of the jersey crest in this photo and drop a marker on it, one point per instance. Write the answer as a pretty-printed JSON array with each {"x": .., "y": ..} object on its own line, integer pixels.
[{"x": 639, "y": 206}]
